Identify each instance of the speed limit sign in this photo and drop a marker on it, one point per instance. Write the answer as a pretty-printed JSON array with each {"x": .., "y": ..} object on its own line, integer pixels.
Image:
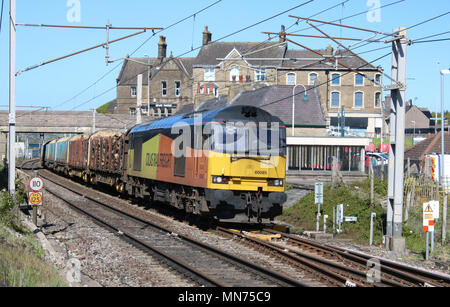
[
  {"x": 35, "y": 198},
  {"x": 36, "y": 184}
]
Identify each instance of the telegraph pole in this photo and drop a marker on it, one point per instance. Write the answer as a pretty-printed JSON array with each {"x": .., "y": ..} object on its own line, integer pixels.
[
  {"x": 12, "y": 98},
  {"x": 394, "y": 239}
]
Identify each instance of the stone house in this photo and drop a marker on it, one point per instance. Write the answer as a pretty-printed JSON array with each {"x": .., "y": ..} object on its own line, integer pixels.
[
  {"x": 358, "y": 95},
  {"x": 227, "y": 68},
  {"x": 170, "y": 82}
]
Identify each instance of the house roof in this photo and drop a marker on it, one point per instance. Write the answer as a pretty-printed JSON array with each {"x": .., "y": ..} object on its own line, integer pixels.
[
  {"x": 130, "y": 69},
  {"x": 209, "y": 54},
  {"x": 428, "y": 146},
  {"x": 297, "y": 59}
]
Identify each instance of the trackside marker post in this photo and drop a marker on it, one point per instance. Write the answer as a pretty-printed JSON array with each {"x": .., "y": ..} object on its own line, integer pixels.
[{"x": 428, "y": 223}]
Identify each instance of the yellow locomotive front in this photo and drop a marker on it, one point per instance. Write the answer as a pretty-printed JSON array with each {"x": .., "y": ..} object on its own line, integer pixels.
[{"x": 247, "y": 170}]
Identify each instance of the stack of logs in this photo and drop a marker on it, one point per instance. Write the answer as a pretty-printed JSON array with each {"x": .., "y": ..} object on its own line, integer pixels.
[{"x": 106, "y": 151}]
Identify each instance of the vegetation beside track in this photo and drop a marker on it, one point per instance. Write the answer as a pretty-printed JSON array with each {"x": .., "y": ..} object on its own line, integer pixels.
[
  {"x": 21, "y": 255},
  {"x": 356, "y": 200}
]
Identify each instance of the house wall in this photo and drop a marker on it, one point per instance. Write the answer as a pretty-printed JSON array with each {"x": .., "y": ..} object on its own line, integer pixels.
[{"x": 170, "y": 73}]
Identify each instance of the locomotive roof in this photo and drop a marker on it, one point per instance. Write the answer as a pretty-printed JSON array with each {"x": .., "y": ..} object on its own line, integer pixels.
[{"x": 227, "y": 113}]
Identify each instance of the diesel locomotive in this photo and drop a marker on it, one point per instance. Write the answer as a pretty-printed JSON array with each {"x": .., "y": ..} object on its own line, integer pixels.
[{"x": 228, "y": 164}]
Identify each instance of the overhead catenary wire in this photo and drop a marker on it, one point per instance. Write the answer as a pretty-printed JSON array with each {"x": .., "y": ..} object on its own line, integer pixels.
[
  {"x": 215, "y": 41},
  {"x": 139, "y": 47},
  {"x": 1, "y": 17},
  {"x": 323, "y": 83}
]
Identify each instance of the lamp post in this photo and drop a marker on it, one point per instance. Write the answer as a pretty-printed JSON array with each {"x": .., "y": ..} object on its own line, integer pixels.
[
  {"x": 414, "y": 135},
  {"x": 443, "y": 73},
  {"x": 148, "y": 84},
  {"x": 305, "y": 98}
]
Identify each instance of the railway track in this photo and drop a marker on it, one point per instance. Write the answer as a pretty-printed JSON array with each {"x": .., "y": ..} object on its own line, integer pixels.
[
  {"x": 344, "y": 266},
  {"x": 201, "y": 262}
]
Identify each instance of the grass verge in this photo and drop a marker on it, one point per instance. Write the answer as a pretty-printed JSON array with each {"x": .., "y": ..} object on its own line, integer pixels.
[{"x": 21, "y": 255}]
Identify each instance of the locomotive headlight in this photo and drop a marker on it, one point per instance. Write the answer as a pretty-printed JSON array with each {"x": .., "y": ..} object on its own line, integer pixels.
[
  {"x": 220, "y": 180},
  {"x": 275, "y": 182}
]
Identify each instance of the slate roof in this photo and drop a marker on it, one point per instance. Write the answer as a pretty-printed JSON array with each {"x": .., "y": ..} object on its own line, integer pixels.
[
  {"x": 351, "y": 59},
  {"x": 429, "y": 146},
  {"x": 130, "y": 69},
  {"x": 277, "y": 100},
  {"x": 209, "y": 54}
]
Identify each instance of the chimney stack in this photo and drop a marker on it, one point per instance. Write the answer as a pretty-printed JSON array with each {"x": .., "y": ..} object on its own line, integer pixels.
[
  {"x": 283, "y": 34},
  {"x": 162, "y": 48},
  {"x": 330, "y": 50},
  {"x": 207, "y": 36}
]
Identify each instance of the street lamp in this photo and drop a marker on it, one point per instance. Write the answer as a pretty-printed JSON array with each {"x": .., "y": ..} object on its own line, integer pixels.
[
  {"x": 443, "y": 73},
  {"x": 305, "y": 98},
  {"x": 148, "y": 84},
  {"x": 414, "y": 135}
]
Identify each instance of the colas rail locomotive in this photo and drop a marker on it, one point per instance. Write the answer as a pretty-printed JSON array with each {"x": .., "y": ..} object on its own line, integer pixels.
[{"x": 228, "y": 163}]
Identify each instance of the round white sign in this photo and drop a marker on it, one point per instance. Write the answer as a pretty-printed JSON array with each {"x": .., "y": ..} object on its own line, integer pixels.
[{"x": 36, "y": 184}]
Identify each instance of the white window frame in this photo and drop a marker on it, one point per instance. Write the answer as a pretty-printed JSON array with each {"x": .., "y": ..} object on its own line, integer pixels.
[
  {"x": 133, "y": 111},
  {"x": 233, "y": 70},
  {"x": 260, "y": 74},
  {"x": 354, "y": 100},
  {"x": 340, "y": 77},
  {"x": 133, "y": 91},
  {"x": 375, "y": 100},
  {"x": 291, "y": 74},
  {"x": 163, "y": 88},
  {"x": 362, "y": 80},
  {"x": 331, "y": 99},
  {"x": 177, "y": 89},
  {"x": 381, "y": 80},
  {"x": 209, "y": 74},
  {"x": 309, "y": 78}
]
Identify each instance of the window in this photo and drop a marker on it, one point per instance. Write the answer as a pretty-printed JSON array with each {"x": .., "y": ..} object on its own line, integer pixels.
[
  {"x": 336, "y": 79},
  {"x": 163, "y": 112},
  {"x": 359, "y": 100},
  {"x": 260, "y": 74},
  {"x": 169, "y": 111},
  {"x": 291, "y": 79},
  {"x": 335, "y": 99},
  {"x": 145, "y": 109},
  {"x": 164, "y": 88},
  {"x": 312, "y": 78},
  {"x": 209, "y": 88},
  {"x": 378, "y": 79},
  {"x": 155, "y": 112},
  {"x": 132, "y": 111},
  {"x": 133, "y": 92},
  {"x": 178, "y": 88},
  {"x": 359, "y": 79},
  {"x": 209, "y": 74},
  {"x": 234, "y": 74},
  {"x": 377, "y": 100}
]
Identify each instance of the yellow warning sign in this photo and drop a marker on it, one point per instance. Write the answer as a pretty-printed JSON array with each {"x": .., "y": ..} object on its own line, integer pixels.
[
  {"x": 428, "y": 209},
  {"x": 35, "y": 198}
]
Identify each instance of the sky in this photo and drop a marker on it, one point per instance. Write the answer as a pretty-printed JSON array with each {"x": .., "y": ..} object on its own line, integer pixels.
[{"x": 73, "y": 83}]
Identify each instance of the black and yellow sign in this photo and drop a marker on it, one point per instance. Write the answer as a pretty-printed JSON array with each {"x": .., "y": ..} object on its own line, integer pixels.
[{"x": 35, "y": 198}]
